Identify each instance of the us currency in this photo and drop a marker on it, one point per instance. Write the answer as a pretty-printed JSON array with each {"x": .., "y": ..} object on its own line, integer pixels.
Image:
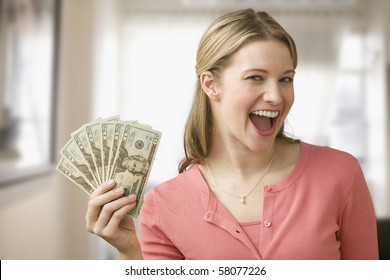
[
  {"x": 94, "y": 136},
  {"x": 111, "y": 119},
  {"x": 72, "y": 152},
  {"x": 118, "y": 133},
  {"x": 110, "y": 132},
  {"x": 81, "y": 138},
  {"x": 110, "y": 148},
  {"x": 75, "y": 175},
  {"x": 107, "y": 134},
  {"x": 103, "y": 138},
  {"x": 133, "y": 160}
]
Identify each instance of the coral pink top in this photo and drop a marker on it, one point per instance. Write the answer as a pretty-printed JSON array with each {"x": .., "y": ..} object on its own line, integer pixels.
[{"x": 322, "y": 210}]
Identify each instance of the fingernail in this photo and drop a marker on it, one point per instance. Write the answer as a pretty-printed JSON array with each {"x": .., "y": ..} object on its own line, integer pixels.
[
  {"x": 118, "y": 190},
  {"x": 132, "y": 197},
  {"x": 111, "y": 182}
]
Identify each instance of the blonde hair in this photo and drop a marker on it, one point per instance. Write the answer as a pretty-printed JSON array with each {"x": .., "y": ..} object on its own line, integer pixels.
[{"x": 225, "y": 36}]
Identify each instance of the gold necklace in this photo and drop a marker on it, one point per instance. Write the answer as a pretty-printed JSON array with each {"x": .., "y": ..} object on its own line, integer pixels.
[{"x": 243, "y": 198}]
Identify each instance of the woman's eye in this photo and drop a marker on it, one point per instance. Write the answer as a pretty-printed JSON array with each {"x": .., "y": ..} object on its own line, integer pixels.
[
  {"x": 286, "y": 80},
  {"x": 255, "y": 78}
]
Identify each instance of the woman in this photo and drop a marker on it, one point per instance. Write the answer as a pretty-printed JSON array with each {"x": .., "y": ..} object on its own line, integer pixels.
[{"x": 245, "y": 190}]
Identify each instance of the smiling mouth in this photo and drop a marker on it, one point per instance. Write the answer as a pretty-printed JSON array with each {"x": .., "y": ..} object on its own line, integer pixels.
[{"x": 263, "y": 120}]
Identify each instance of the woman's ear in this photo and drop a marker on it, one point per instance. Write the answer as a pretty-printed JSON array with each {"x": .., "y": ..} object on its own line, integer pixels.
[{"x": 209, "y": 85}]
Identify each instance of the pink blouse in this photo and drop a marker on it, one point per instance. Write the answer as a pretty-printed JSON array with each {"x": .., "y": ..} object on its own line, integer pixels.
[{"x": 322, "y": 210}]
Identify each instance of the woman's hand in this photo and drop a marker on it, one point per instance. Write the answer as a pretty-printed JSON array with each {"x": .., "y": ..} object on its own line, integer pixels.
[{"x": 107, "y": 217}]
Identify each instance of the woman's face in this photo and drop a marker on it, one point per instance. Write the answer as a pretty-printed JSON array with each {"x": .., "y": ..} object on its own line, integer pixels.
[
  {"x": 255, "y": 93},
  {"x": 133, "y": 165}
]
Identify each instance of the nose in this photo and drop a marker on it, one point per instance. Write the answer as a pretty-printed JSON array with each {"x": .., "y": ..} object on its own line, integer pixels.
[{"x": 273, "y": 93}]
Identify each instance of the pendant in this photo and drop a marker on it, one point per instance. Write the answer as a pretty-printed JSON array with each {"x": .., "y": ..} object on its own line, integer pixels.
[{"x": 243, "y": 200}]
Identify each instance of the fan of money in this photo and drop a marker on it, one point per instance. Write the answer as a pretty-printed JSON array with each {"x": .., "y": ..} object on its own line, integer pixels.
[{"x": 111, "y": 149}]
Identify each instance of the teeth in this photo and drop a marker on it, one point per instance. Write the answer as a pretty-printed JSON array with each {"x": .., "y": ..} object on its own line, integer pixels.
[{"x": 269, "y": 114}]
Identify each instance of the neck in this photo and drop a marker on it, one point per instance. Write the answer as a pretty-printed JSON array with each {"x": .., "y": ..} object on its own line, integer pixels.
[
  {"x": 241, "y": 180},
  {"x": 241, "y": 162}
]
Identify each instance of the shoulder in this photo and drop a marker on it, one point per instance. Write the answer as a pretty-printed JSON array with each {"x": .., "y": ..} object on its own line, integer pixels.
[
  {"x": 333, "y": 170},
  {"x": 327, "y": 156},
  {"x": 328, "y": 165}
]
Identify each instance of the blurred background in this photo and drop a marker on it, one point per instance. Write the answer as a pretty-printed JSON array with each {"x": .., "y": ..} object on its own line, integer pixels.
[{"x": 65, "y": 63}]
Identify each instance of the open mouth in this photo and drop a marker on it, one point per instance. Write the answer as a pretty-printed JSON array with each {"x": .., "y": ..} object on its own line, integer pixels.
[{"x": 264, "y": 120}]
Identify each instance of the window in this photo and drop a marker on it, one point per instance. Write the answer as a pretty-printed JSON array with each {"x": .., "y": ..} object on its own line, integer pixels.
[{"x": 27, "y": 82}]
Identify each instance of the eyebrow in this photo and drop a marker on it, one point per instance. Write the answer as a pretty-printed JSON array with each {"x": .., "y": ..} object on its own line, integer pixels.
[{"x": 265, "y": 71}]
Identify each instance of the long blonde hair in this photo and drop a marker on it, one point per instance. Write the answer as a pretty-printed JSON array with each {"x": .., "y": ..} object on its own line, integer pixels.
[{"x": 225, "y": 36}]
